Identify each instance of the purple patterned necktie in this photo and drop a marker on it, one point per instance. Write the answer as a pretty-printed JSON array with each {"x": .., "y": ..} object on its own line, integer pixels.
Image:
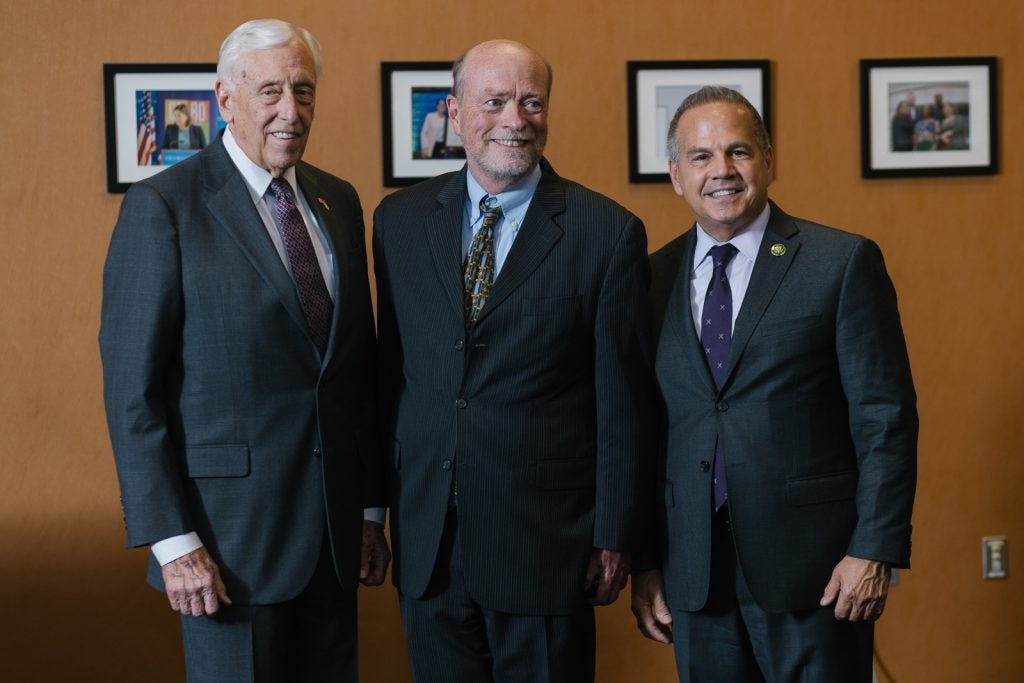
[
  {"x": 479, "y": 270},
  {"x": 309, "y": 279},
  {"x": 716, "y": 338}
]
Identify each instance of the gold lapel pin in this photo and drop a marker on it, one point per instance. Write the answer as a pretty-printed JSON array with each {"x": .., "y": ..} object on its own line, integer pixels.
[
  {"x": 778, "y": 249},
  {"x": 323, "y": 202}
]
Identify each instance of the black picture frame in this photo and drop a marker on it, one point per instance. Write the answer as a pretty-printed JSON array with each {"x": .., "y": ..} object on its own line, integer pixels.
[
  {"x": 967, "y": 139},
  {"x": 656, "y": 88},
  {"x": 134, "y": 134},
  {"x": 410, "y": 91}
]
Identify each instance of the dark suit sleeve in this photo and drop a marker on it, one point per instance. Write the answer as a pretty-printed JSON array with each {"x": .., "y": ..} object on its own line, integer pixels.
[
  {"x": 141, "y": 323},
  {"x": 875, "y": 374},
  {"x": 623, "y": 383},
  {"x": 378, "y": 478},
  {"x": 389, "y": 352}
]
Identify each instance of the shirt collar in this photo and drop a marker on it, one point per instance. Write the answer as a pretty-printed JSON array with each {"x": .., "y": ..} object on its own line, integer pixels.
[
  {"x": 256, "y": 177},
  {"x": 747, "y": 241},
  {"x": 511, "y": 200}
]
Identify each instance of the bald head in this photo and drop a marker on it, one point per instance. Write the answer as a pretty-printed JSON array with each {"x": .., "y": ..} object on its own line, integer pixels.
[{"x": 495, "y": 50}]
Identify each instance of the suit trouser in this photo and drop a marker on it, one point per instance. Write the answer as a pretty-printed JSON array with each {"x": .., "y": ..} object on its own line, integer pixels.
[
  {"x": 733, "y": 640},
  {"x": 309, "y": 638},
  {"x": 452, "y": 639}
]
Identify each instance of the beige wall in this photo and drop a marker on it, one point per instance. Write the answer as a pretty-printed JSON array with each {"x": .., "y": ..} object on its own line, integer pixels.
[{"x": 73, "y": 600}]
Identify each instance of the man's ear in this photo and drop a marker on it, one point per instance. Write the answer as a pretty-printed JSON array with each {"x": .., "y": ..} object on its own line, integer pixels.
[
  {"x": 223, "y": 92},
  {"x": 673, "y": 171},
  {"x": 453, "y": 112}
]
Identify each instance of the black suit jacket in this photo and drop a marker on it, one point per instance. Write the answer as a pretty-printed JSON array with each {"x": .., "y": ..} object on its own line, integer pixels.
[
  {"x": 543, "y": 410},
  {"x": 816, "y": 416},
  {"x": 223, "y": 417}
]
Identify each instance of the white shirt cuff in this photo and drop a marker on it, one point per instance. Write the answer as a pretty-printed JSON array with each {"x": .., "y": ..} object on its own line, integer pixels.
[
  {"x": 170, "y": 549},
  {"x": 375, "y": 515}
]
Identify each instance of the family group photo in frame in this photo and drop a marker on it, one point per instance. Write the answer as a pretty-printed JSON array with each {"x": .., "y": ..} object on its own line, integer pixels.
[
  {"x": 156, "y": 116},
  {"x": 657, "y": 88},
  {"x": 928, "y": 117}
]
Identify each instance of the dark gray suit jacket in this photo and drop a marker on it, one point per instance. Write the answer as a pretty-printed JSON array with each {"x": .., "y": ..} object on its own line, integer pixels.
[
  {"x": 817, "y": 418},
  {"x": 543, "y": 410},
  {"x": 222, "y": 417}
]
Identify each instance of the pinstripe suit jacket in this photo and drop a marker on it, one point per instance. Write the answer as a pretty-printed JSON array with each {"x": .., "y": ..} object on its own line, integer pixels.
[
  {"x": 543, "y": 409},
  {"x": 223, "y": 418}
]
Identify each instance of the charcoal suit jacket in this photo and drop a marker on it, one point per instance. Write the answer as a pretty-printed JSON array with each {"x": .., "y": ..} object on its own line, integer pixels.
[
  {"x": 541, "y": 412},
  {"x": 816, "y": 416},
  {"x": 224, "y": 418}
]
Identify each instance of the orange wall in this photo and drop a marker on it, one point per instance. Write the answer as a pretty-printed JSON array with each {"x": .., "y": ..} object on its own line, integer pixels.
[{"x": 74, "y": 603}]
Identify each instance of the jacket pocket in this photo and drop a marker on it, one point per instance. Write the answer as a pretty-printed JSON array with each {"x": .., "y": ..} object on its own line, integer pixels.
[
  {"x": 217, "y": 461},
  {"x": 791, "y": 326},
  {"x": 571, "y": 473},
  {"x": 822, "y": 488},
  {"x": 562, "y": 305}
]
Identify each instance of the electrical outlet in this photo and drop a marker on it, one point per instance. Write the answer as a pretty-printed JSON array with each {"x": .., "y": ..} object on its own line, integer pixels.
[{"x": 993, "y": 557}]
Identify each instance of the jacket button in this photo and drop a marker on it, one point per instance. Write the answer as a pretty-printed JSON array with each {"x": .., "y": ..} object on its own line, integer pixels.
[
  {"x": 722, "y": 406},
  {"x": 459, "y": 345},
  {"x": 446, "y": 465},
  {"x": 460, "y": 403},
  {"x": 316, "y": 452},
  {"x": 705, "y": 466}
]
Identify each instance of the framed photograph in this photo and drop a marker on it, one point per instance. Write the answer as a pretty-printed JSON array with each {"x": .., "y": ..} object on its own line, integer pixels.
[
  {"x": 655, "y": 91},
  {"x": 419, "y": 141},
  {"x": 928, "y": 117},
  {"x": 157, "y": 115}
]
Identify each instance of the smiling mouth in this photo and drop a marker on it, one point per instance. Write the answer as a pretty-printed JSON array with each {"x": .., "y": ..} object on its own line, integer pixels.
[
  {"x": 285, "y": 135},
  {"x": 510, "y": 143},
  {"x": 722, "y": 193}
]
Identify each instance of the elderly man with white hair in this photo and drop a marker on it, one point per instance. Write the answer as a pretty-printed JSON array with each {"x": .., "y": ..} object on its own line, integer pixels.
[{"x": 237, "y": 341}]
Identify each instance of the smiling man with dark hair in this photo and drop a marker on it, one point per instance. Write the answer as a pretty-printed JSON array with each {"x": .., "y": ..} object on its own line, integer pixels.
[{"x": 789, "y": 434}]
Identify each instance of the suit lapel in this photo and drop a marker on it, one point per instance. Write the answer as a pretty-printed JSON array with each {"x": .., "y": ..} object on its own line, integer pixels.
[
  {"x": 679, "y": 317},
  {"x": 444, "y": 235},
  {"x": 769, "y": 269},
  {"x": 537, "y": 236},
  {"x": 231, "y": 204},
  {"x": 334, "y": 231}
]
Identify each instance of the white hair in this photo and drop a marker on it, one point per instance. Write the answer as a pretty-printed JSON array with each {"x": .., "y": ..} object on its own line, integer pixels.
[{"x": 263, "y": 34}]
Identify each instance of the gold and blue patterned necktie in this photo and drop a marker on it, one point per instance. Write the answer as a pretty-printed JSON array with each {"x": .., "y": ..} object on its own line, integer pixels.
[{"x": 479, "y": 270}]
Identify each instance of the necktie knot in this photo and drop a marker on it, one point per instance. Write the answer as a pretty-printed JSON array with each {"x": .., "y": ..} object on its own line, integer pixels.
[
  {"x": 281, "y": 190},
  {"x": 721, "y": 255},
  {"x": 491, "y": 210}
]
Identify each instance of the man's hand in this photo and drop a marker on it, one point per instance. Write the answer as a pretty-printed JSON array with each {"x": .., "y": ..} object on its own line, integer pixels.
[
  {"x": 375, "y": 555},
  {"x": 193, "y": 584},
  {"x": 606, "y": 576},
  {"x": 653, "y": 616},
  {"x": 858, "y": 588}
]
